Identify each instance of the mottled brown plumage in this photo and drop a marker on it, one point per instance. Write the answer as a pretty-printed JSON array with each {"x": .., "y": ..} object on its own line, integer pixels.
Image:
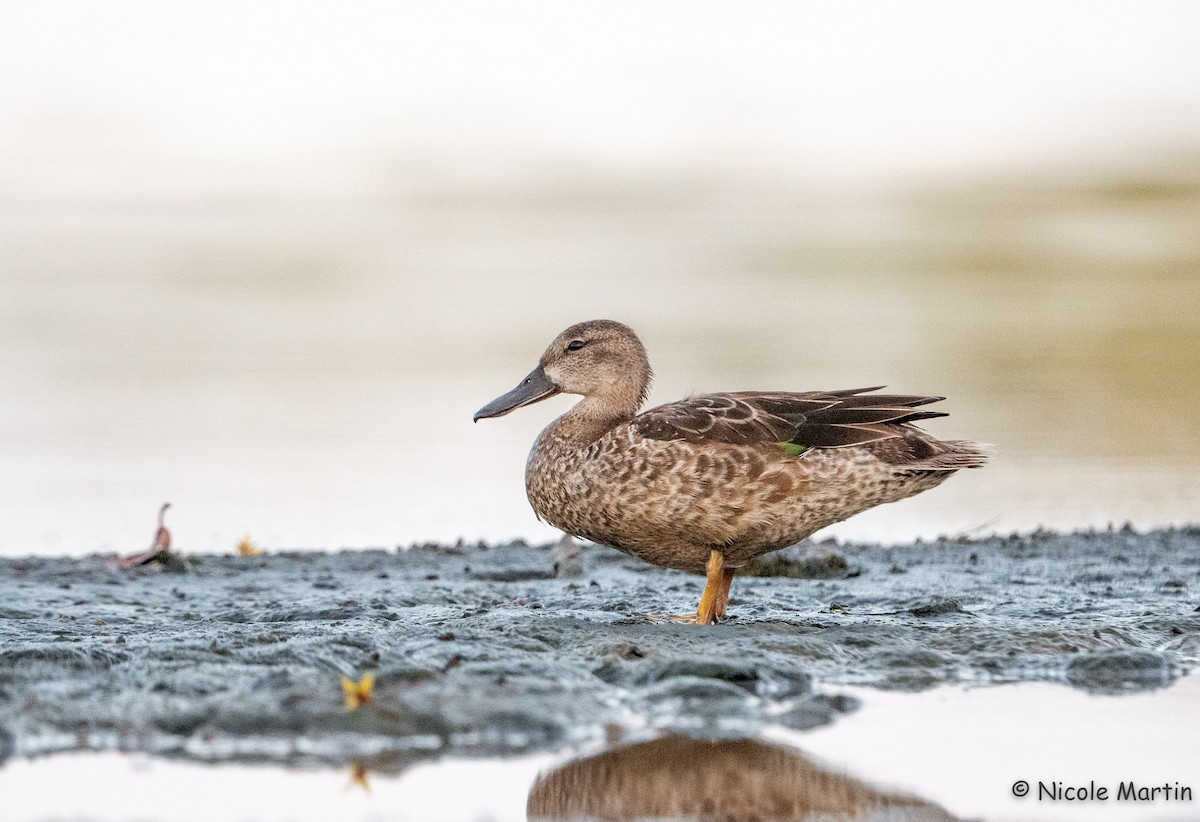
[{"x": 707, "y": 483}]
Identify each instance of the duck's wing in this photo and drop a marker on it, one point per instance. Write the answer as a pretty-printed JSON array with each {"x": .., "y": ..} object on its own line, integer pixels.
[{"x": 816, "y": 419}]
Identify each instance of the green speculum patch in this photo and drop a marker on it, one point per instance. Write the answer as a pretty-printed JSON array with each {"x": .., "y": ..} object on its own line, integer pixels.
[{"x": 793, "y": 449}]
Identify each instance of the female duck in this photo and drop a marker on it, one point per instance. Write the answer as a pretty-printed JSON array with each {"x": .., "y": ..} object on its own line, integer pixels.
[{"x": 708, "y": 483}]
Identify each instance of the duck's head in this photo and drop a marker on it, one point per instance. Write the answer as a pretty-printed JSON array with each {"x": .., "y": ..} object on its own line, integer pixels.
[{"x": 601, "y": 360}]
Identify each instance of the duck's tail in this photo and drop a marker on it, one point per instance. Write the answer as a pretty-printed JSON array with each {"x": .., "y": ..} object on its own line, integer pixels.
[
  {"x": 958, "y": 454},
  {"x": 914, "y": 450}
]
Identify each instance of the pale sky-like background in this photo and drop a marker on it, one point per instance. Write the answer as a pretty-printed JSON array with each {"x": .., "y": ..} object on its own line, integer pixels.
[{"x": 873, "y": 86}]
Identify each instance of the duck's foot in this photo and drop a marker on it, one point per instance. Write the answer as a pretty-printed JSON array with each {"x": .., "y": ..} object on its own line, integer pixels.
[
  {"x": 714, "y": 601},
  {"x": 687, "y": 619}
]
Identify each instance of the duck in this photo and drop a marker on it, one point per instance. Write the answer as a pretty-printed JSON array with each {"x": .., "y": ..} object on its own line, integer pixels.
[{"x": 710, "y": 482}]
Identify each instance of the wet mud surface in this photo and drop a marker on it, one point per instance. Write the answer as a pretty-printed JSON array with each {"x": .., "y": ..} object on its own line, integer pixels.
[{"x": 501, "y": 649}]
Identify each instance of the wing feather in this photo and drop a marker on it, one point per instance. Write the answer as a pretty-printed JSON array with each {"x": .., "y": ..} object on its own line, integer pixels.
[{"x": 817, "y": 419}]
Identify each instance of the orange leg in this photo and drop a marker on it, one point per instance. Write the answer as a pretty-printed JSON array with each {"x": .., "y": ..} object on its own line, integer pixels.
[
  {"x": 711, "y": 600},
  {"x": 723, "y": 592}
]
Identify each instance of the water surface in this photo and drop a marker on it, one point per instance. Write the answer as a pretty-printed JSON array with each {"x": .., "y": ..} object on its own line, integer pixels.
[{"x": 299, "y": 357}]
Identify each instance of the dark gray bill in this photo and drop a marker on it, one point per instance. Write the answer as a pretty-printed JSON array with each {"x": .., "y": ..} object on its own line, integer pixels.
[{"x": 536, "y": 386}]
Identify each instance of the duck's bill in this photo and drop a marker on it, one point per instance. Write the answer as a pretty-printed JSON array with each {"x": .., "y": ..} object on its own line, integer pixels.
[{"x": 536, "y": 386}]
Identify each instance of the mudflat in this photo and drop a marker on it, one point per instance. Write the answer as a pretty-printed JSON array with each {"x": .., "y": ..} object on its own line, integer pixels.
[{"x": 506, "y": 648}]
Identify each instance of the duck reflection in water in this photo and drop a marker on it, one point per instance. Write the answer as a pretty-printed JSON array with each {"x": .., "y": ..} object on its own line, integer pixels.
[{"x": 675, "y": 777}]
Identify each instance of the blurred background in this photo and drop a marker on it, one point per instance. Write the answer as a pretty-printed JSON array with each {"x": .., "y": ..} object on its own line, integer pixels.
[{"x": 265, "y": 260}]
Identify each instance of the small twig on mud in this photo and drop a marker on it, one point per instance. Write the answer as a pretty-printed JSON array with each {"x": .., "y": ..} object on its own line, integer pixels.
[{"x": 158, "y": 550}]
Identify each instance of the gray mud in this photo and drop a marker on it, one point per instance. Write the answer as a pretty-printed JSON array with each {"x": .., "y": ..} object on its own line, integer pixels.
[{"x": 482, "y": 649}]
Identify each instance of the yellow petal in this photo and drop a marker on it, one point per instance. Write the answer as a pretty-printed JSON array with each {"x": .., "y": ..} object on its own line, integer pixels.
[
  {"x": 246, "y": 548},
  {"x": 358, "y": 693}
]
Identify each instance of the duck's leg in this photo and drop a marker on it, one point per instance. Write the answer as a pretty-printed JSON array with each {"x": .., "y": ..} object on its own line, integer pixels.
[
  {"x": 706, "y": 612},
  {"x": 714, "y": 600},
  {"x": 723, "y": 592}
]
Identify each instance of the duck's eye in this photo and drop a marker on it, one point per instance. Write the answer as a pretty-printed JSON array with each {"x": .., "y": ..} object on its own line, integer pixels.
[{"x": 575, "y": 345}]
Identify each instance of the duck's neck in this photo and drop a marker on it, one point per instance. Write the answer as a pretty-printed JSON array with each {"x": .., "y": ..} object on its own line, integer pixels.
[{"x": 593, "y": 417}]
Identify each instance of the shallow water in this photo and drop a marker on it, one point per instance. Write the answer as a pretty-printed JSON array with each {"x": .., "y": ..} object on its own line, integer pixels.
[
  {"x": 298, "y": 356},
  {"x": 957, "y": 749}
]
